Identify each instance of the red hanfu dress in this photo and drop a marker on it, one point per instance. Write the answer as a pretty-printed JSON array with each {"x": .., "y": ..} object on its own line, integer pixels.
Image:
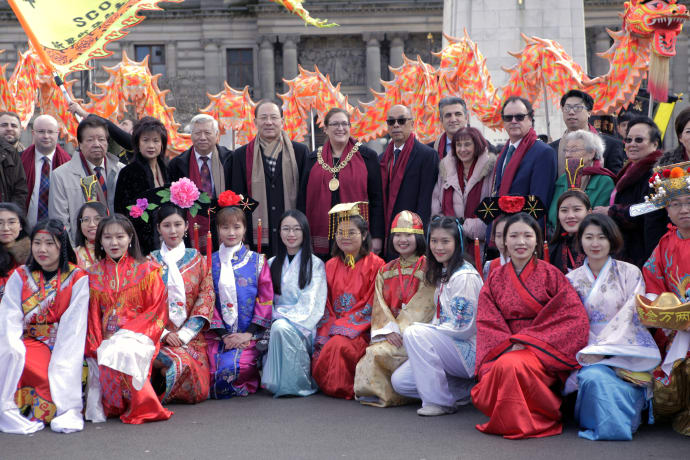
[
  {"x": 541, "y": 311},
  {"x": 128, "y": 311},
  {"x": 342, "y": 335}
]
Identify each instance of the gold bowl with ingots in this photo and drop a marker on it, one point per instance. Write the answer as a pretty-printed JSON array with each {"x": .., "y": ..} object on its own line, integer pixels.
[{"x": 666, "y": 311}]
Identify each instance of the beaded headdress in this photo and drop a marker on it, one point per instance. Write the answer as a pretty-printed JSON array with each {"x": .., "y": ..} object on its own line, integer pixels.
[{"x": 343, "y": 211}]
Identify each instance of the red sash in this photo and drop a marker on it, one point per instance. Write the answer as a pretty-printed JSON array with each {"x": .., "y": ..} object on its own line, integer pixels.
[
  {"x": 514, "y": 163},
  {"x": 392, "y": 176},
  {"x": 442, "y": 146},
  {"x": 353, "y": 187}
]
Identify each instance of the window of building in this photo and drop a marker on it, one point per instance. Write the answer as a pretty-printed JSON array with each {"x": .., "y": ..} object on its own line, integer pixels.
[
  {"x": 156, "y": 54},
  {"x": 240, "y": 67}
]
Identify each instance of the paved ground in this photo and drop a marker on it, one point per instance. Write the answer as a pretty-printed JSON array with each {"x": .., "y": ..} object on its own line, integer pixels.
[{"x": 319, "y": 427}]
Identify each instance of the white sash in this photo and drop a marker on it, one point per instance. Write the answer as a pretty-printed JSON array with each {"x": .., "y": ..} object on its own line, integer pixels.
[
  {"x": 227, "y": 293},
  {"x": 177, "y": 299}
]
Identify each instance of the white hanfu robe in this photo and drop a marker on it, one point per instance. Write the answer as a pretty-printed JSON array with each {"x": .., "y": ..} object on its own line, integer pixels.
[
  {"x": 287, "y": 369},
  {"x": 441, "y": 355}
]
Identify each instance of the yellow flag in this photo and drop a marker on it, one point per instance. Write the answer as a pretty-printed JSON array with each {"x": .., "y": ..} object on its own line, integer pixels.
[
  {"x": 663, "y": 116},
  {"x": 68, "y": 33}
]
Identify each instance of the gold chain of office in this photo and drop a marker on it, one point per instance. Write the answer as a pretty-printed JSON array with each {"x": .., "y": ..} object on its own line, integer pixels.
[{"x": 334, "y": 183}]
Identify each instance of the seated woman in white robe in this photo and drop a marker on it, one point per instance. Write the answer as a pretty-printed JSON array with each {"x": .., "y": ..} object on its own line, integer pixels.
[
  {"x": 615, "y": 382},
  {"x": 441, "y": 355},
  {"x": 299, "y": 285},
  {"x": 43, "y": 317}
]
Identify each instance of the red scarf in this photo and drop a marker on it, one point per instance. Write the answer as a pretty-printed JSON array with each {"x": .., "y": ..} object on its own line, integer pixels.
[
  {"x": 29, "y": 161},
  {"x": 633, "y": 171},
  {"x": 473, "y": 197},
  {"x": 514, "y": 163},
  {"x": 201, "y": 220},
  {"x": 442, "y": 146},
  {"x": 392, "y": 176},
  {"x": 353, "y": 187}
]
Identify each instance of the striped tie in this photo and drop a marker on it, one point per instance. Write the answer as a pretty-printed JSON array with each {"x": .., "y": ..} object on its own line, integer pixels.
[
  {"x": 101, "y": 179},
  {"x": 43, "y": 189}
]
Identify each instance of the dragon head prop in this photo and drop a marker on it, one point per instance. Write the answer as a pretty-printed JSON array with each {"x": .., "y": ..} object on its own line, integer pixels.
[
  {"x": 661, "y": 22},
  {"x": 658, "y": 19}
]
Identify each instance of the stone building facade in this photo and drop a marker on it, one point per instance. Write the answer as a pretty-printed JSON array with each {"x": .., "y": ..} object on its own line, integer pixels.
[{"x": 198, "y": 44}]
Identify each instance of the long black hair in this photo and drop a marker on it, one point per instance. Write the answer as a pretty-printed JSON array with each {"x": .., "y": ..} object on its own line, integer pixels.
[
  {"x": 434, "y": 271},
  {"x": 80, "y": 239},
  {"x": 580, "y": 195},
  {"x": 305, "y": 267},
  {"x": 134, "y": 248},
  {"x": 59, "y": 233},
  {"x": 5, "y": 256}
]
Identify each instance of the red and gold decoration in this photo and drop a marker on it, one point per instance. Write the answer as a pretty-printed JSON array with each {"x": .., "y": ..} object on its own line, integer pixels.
[{"x": 407, "y": 222}]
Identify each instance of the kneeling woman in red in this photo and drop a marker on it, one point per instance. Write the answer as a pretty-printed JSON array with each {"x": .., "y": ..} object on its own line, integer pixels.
[
  {"x": 42, "y": 333},
  {"x": 342, "y": 335},
  {"x": 530, "y": 324},
  {"x": 128, "y": 310}
]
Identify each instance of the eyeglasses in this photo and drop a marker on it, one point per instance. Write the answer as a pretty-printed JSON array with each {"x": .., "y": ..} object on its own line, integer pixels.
[
  {"x": 400, "y": 121},
  {"x": 88, "y": 220},
  {"x": 637, "y": 140},
  {"x": 677, "y": 206},
  {"x": 350, "y": 234},
  {"x": 9, "y": 223},
  {"x": 517, "y": 117},
  {"x": 572, "y": 108},
  {"x": 273, "y": 118},
  {"x": 42, "y": 132},
  {"x": 289, "y": 230},
  {"x": 339, "y": 124},
  {"x": 570, "y": 151}
]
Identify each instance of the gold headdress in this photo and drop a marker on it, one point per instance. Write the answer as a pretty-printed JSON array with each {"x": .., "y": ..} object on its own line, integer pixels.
[{"x": 342, "y": 213}]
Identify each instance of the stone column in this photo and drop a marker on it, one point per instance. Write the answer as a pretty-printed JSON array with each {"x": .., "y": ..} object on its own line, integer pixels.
[
  {"x": 397, "y": 50},
  {"x": 171, "y": 59},
  {"x": 289, "y": 56},
  {"x": 602, "y": 42},
  {"x": 212, "y": 74},
  {"x": 267, "y": 69},
  {"x": 373, "y": 55}
]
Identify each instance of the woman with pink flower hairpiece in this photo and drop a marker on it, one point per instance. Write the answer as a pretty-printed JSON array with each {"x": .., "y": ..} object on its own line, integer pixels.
[
  {"x": 181, "y": 368},
  {"x": 146, "y": 172}
]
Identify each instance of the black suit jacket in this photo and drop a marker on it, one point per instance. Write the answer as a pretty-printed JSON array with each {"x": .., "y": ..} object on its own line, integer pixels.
[
  {"x": 614, "y": 153},
  {"x": 135, "y": 181},
  {"x": 237, "y": 181},
  {"x": 421, "y": 173},
  {"x": 179, "y": 166}
]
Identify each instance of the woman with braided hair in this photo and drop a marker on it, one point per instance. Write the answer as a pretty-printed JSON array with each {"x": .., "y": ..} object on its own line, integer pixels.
[{"x": 43, "y": 318}]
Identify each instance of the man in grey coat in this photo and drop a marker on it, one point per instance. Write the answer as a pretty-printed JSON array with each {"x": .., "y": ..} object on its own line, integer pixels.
[{"x": 90, "y": 175}]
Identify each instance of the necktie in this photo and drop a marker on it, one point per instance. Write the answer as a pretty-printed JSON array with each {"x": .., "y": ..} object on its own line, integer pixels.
[
  {"x": 101, "y": 179},
  {"x": 43, "y": 188},
  {"x": 396, "y": 154},
  {"x": 509, "y": 154},
  {"x": 206, "y": 184}
]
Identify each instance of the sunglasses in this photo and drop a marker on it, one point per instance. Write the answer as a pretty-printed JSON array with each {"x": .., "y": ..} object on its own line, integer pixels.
[
  {"x": 637, "y": 140},
  {"x": 400, "y": 121},
  {"x": 517, "y": 117}
]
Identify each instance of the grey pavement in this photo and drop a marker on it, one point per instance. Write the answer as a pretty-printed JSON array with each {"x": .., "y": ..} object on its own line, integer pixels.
[{"x": 318, "y": 427}]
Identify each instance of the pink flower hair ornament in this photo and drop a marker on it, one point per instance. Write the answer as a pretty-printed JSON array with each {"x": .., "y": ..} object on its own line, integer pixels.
[{"x": 183, "y": 193}]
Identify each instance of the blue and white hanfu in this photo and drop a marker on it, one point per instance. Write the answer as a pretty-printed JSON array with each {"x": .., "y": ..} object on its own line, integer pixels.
[
  {"x": 287, "y": 370},
  {"x": 615, "y": 382}
]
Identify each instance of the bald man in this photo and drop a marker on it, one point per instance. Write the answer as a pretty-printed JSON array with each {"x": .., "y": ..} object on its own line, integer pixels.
[
  {"x": 408, "y": 169},
  {"x": 39, "y": 160}
]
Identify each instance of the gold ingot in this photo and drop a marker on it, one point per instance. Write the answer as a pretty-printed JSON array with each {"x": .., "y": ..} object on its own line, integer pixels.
[{"x": 666, "y": 311}]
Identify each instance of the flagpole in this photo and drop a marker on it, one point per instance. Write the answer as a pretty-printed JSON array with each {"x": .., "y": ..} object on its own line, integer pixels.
[{"x": 39, "y": 49}]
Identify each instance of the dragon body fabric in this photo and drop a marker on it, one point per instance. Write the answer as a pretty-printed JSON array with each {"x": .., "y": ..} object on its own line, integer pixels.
[{"x": 641, "y": 49}]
